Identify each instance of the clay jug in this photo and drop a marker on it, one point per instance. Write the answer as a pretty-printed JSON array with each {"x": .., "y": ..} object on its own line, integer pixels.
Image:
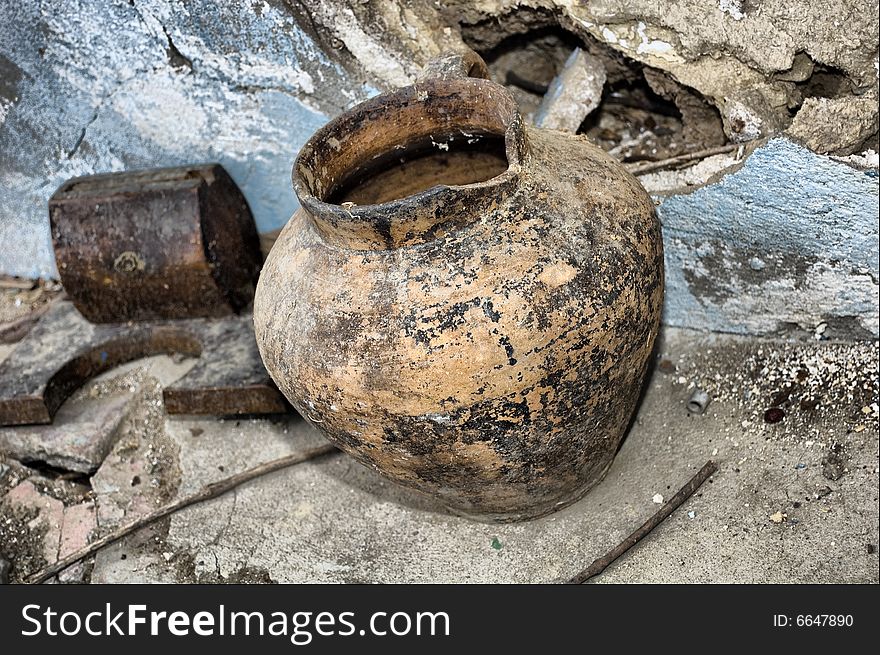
[{"x": 465, "y": 303}]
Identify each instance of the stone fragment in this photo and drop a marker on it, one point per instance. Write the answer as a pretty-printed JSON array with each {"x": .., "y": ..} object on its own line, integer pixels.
[
  {"x": 49, "y": 515},
  {"x": 78, "y": 440},
  {"x": 573, "y": 94},
  {"x": 835, "y": 125},
  {"x": 79, "y": 522}
]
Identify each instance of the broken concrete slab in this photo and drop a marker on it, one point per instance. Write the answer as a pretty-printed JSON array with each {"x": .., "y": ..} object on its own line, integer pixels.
[
  {"x": 42, "y": 515},
  {"x": 573, "y": 94},
  {"x": 79, "y": 439},
  {"x": 64, "y": 350},
  {"x": 80, "y": 522},
  {"x": 141, "y": 469}
]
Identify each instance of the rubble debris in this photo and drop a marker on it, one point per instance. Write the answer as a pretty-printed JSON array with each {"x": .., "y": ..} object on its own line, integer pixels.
[
  {"x": 210, "y": 491},
  {"x": 64, "y": 350},
  {"x": 80, "y": 439},
  {"x": 811, "y": 384},
  {"x": 657, "y": 499},
  {"x": 698, "y": 402},
  {"x": 778, "y": 516},
  {"x": 37, "y": 529},
  {"x": 574, "y": 94},
  {"x": 168, "y": 243},
  {"x": 20, "y": 308},
  {"x": 833, "y": 465},
  {"x": 643, "y": 114},
  {"x": 30, "y": 528}
]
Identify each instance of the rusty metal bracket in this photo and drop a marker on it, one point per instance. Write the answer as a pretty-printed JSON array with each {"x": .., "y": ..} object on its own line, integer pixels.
[{"x": 64, "y": 350}]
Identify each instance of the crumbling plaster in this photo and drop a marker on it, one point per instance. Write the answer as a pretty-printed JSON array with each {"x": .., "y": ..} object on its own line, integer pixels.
[{"x": 115, "y": 84}]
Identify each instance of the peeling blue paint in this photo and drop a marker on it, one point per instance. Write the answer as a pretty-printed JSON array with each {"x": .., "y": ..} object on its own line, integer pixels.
[
  {"x": 96, "y": 90},
  {"x": 810, "y": 221}
]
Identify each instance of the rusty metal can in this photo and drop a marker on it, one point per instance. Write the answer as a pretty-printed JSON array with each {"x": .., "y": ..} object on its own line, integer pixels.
[{"x": 159, "y": 244}]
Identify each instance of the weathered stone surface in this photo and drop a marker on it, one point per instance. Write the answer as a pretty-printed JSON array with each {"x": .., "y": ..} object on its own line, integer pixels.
[
  {"x": 80, "y": 438},
  {"x": 175, "y": 86},
  {"x": 769, "y": 247},
  {"x": 835, "y": 125}
]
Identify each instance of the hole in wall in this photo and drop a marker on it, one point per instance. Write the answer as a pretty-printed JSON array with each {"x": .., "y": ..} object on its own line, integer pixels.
[
  {"x": 644, "y": 113},
  {"x": 826, "y": 82},
  {"x": 808, "y": 78}
]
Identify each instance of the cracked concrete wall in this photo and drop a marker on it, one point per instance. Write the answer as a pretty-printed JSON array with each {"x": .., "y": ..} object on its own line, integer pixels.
[
  {"x": 116, "y": 84},
  {"x": 113, "y": 85},
  {"x": 787, "y": 242}
]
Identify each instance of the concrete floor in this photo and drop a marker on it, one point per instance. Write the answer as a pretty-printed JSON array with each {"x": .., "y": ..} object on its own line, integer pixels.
[{"x": 793, "y": 501}]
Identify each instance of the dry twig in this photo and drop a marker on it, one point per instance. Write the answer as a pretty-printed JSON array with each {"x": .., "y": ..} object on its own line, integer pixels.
[
  {"x": 208, "y": 492},
  {"x": 683, "y": 494},
  {"x": 639, "y": 168},
  {"x": 19, "y": 283}
]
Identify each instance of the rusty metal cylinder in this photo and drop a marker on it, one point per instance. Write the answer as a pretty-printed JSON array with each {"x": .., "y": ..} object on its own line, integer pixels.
[{"x": 160, "y": 244}]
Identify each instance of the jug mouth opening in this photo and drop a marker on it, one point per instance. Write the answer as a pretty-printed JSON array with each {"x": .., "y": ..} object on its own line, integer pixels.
[
  {"x": 410, "y": 155},
  {"x": 459, "y": 158}
]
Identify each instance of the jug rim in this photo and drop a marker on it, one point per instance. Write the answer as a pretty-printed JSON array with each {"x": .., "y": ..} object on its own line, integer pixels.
[{"x": 375, "y": 127}]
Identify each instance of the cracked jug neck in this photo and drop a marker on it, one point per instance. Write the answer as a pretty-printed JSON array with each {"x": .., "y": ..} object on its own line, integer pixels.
[{"x": 443, "y": 113}]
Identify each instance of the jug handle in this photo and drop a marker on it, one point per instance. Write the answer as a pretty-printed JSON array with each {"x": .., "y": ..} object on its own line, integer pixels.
[{"x": 456, "y": 65}]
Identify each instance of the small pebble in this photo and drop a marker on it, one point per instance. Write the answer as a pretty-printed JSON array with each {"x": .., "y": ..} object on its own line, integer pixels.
[{"x": 658, "y": 499}]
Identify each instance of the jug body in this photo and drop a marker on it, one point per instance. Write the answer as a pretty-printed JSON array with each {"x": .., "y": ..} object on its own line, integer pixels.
[{"x": 464, "y": 303}]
